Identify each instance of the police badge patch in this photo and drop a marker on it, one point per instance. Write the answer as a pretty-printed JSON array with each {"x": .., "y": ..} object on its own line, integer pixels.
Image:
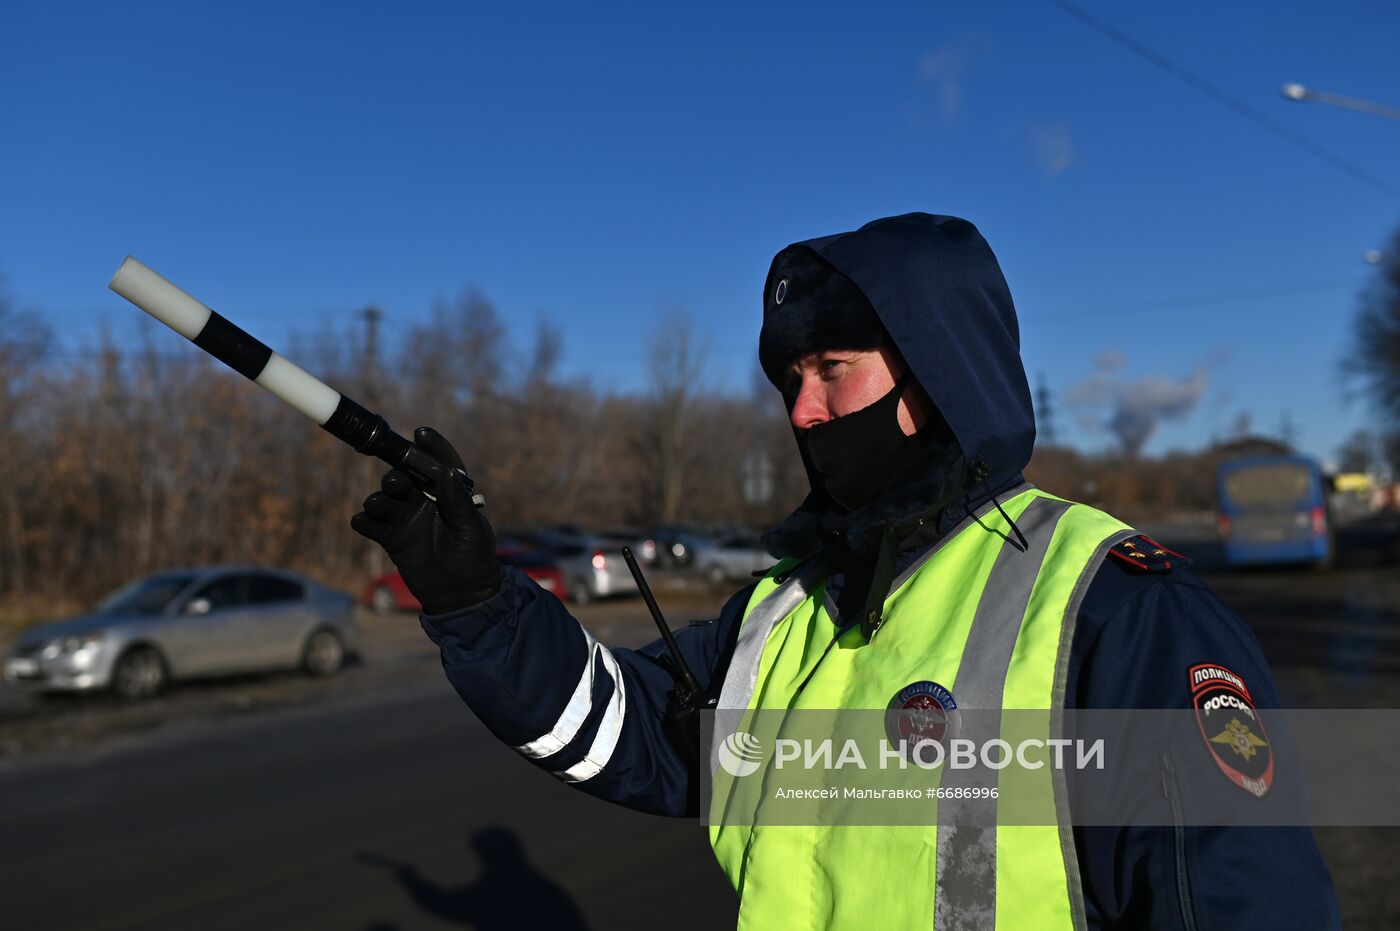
[
  {"x": 1231, "y": 727},
  {"x": 921, "y": 711}
]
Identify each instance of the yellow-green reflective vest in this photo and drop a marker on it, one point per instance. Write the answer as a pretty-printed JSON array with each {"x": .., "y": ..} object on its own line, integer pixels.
[{"x": 981, "y": 615}]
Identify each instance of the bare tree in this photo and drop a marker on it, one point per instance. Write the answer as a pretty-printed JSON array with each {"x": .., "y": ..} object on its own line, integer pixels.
[
  {"x": 1359, "y": 452},
  {"x": 1374, "y": 359},
  {"x": 139, "y": 454},
  {"x": 677, "y": 361},
  {"x": 24, "y": 344}
]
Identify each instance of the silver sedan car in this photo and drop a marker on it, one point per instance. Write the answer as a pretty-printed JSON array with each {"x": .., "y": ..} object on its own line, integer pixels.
[
  {"x": 593, "y": 568},
  {"x": 188, "y": 624}
]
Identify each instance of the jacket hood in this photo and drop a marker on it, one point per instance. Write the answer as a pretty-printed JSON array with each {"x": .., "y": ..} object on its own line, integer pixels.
[{"x": 937, "y": 289}]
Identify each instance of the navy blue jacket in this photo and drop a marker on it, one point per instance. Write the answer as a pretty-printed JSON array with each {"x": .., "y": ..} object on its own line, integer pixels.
[
  {"x": 516, "y": 661},
  {"x": 596, "y": 716}
]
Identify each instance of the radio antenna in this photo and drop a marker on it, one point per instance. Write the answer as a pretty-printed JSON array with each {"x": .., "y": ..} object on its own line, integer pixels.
[{"x": 687, "y": 689}]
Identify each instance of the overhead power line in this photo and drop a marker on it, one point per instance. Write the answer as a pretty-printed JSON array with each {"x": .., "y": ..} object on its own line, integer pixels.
[
  {"x": 1227, "y": 99},
  {"x": 1188, "y": 301}
]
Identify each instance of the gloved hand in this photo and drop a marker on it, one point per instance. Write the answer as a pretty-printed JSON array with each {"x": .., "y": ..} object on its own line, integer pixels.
[{"x": 445, "y": 550}]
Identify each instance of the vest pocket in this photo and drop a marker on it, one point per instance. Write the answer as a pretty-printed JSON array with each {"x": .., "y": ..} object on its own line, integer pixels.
[{"x": 1183, "y": 881}]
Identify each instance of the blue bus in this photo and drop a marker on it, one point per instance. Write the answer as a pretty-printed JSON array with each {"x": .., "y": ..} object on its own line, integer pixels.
[{"x": 1273, "y": 510}]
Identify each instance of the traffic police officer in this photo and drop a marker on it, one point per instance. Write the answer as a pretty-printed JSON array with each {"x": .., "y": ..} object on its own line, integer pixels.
[{"x": 942, "y": 576}]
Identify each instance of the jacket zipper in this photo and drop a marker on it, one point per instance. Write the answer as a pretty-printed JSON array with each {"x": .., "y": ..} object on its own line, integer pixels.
[{"x": 1183, "y": 882}]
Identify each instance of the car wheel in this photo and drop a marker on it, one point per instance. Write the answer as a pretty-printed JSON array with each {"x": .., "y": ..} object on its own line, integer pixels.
[
  {"x": 579, "y": 592},
  {"x": 324, "y": 654},
  {"x": 382, "y": 600},
  {"x": 139, "y": 673}
]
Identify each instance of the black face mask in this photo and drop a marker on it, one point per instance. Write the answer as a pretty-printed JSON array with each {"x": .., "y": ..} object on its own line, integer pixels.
[{"x": 853, "y": 457}]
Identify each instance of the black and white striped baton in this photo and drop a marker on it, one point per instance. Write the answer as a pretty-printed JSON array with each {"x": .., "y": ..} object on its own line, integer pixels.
[{"x": 338, "y": 415}]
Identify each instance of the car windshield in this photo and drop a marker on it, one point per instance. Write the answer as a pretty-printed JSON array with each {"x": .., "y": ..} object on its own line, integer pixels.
[{"x": 148, "y": 596}]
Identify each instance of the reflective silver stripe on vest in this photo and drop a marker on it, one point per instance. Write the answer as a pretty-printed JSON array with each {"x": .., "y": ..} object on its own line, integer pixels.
[
  {"x": 576, "y": 712},
  {"x": 966, "y": 897},
  {"x": 742, "y": 677},
  {"x": 1057, "y": 704}
]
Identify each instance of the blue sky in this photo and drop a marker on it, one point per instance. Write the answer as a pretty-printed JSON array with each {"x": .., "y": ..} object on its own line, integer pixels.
[{"x": 595, "y": 165}]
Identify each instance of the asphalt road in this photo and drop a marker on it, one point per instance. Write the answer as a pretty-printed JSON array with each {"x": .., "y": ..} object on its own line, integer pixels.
[
  {"x": 397, "y": 811},
  {"x": 376, "y": 801},
  {"x": 371, "y": 801}
]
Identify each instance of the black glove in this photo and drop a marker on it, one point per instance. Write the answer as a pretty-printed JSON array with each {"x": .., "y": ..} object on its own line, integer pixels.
[{"x": 445, "y": 551}]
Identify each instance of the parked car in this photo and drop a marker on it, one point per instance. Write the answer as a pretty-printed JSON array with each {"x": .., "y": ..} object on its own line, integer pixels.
[
  {"x": 672, "y": 547},
  {"x": 644, "y": 546},
  {"x": 593, "y": 568},
  {"x": 188, "y": 624},
  {"x": 542, "y": 540},
  {"x": 732, "y": 558},
  {"x": 388, "y": 593},
  {"x": 538, "y": 566}
]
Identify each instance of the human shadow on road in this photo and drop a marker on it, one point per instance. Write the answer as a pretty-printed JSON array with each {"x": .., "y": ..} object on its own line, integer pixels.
[{"x": 508, "y": 894}]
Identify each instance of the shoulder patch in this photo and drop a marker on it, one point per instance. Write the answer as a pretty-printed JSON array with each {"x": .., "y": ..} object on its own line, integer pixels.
[
  {"x": 1147, "y": 555},
  {"x": 1231, "y": 727}
]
